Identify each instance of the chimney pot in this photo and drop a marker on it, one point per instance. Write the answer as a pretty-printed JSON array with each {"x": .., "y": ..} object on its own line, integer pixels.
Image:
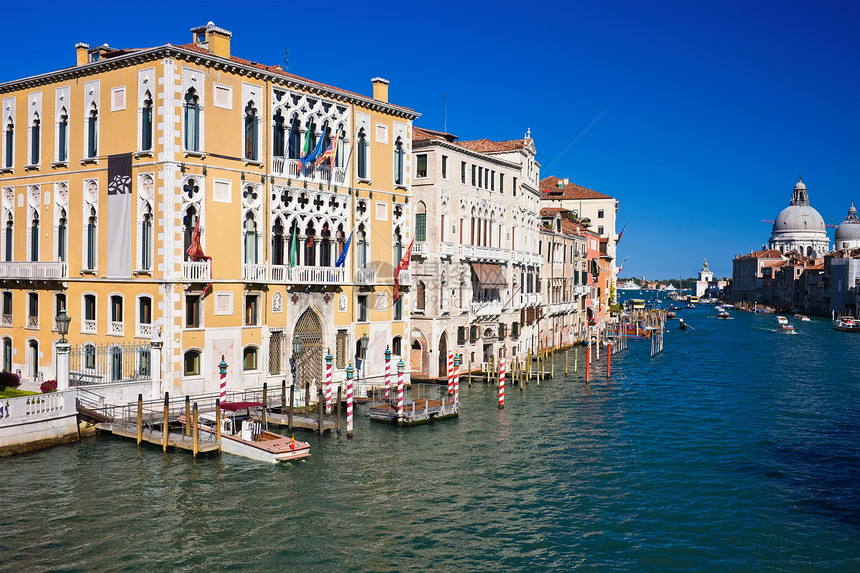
[
  {"x": 81, "y": 53},
  {"x": 380, "y": 89}
]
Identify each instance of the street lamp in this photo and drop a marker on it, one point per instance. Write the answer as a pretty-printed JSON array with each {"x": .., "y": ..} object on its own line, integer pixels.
[{"x": 63, "y": 320}]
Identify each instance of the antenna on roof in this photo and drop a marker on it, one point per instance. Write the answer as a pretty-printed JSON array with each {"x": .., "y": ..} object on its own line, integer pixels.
[
  {"x": 445, "y": 129},
  {"x": 286, "y": 59}
]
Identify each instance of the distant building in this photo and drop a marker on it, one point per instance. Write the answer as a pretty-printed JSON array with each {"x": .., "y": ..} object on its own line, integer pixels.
[
  {"x": 747, "y": 274},
  {"x": 799, "y": 227},
  {"x": 848, "y": 231},
  {"x": 706, "y": 285}
]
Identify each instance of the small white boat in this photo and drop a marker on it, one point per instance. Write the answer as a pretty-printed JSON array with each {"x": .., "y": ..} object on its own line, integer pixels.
[
  {"x": 846, "y": 324},
  {"x": 721, "y": 312},
  {"x": 801, "y": 317},
  {"x": 784, "y": 326},
  {"x": 241, "y": 435}
]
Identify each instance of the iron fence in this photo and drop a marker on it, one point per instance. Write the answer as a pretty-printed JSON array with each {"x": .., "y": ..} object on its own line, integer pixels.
[{"x": 104, "y": 364}]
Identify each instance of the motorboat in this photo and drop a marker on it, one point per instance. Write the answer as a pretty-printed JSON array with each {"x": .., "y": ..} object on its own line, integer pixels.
[
  {"x": 671, "y": 314},
  {"x": 784, "y": 327},
  {"x": 691, "y": 305},
  {"x": 243, "y": 435},
  {"x": 722, "y": 312},
  {"x": 801, "y": 317},
  {"x": 846, "y": 324}
]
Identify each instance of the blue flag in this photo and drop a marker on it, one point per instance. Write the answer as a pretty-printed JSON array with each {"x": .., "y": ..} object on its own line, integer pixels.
[
  {"x": 310, "y": 157},
  {"x": 341, "y": 260}
]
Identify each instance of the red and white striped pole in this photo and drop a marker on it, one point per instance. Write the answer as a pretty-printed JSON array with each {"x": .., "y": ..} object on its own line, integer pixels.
[
  {"x": 450, "y": 372},
  {"x": 400, "y": 367},
  {"x": 502, "y": 382},
  {"x": 457, "y": 360},
  {"x": 350, "y": 372},
  {"x": 222, "y": 368},
  {"x": 387, "y": 373},
  {"x": 328, "y": 361}
]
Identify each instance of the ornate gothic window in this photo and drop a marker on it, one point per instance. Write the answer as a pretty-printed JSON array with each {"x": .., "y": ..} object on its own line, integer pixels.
[
  {"x": 192, "y": 121},
  {"x": 361, "y": 152},
  {"x": 9, "y": 143},
  {"x": 92, "y": 132},
  {"x": 35, "y": 133},
  {"x": 146, "y": 123},
  {"x": 250, "y": 132},
  {"x": 398, "y": 162},
  {"x": 278, "y": 144},
  {"x": 63, "y": 136}
]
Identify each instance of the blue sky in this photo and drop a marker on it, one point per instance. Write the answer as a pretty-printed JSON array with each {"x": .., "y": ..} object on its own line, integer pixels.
[{"x": 698, "y": 116}]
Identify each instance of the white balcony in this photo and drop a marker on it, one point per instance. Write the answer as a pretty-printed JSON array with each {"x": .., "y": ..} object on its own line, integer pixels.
[
  {"x": 485, "y": 253},
  {"x": 581, "y": 290},
  {"x": 487, "y": 308},
  {"x": 196, "y": 271},
  {"x": 419, "y": 248},
  {"x": 365, "y": 276},
  {"x": 562, "y": 307},
  {"x": 446, "y": 249},
  {"x": 255, "y": 273},
  {"x": 115, "y": 327},
  {"x": 32, "y": 322},
  {"x": 530, "y": 298},
  {"x": 89, "y": 325},
  {"x": 6, "y": 320},
  {"x": 307, "y": 275},
  {"x": 323, "y": 174},
  {"x": 405, "y": 277},
  {"x": 34, "y": 270},
  {"x": 143, "y": 331}
]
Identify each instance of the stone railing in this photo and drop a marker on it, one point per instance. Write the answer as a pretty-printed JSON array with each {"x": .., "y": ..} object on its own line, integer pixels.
[
  {"x": 487, "y": 308},
  {"x": 562, "y": 307},
  {"x": 323, "y": 174},
  {"x": 255, "y": 272},
  {"x": 446, "y": 248},
  {"x": 115, "y": 327},
  {"x": 143, "y": 330},
  {"x": 419, "y": 248},
  {"x": 485, "y": 253},
  {"x": 34, "y": 270},
  {"x": 194, "y": 271},
  {"x": 365, "y": 276},
  {"x": 530, "y": 298}
]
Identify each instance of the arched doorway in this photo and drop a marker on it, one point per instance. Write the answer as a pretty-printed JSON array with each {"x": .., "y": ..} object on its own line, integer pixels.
[
  {"x": 310, "y": 363},
  {"x": 443, "y": 355},
  {"x": 33, "y": 359}
]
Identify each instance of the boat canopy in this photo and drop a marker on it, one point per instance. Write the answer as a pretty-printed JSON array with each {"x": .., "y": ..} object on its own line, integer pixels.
[{"x": 234, "y": 406}]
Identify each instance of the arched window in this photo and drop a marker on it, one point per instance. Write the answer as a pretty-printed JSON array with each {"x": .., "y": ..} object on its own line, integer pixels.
[
  {"x": 9, "y": 143},
  {"x": 421, "y": 222},
  {"x": 250, "y": 132},
  {"x": 93, "y": 132},
  {"x": 250, "y": 239},
  {"x": 189, "y": 221},
  {"x": 310, "y": 246},
  {"x": 89, "y": 356},
  {"x": 310, "y": 138},
  {"x": 398, "y": 162},
  {"x": 249, "y": 358},
  {"x": 278, "y": 143},
  {"x": 192, "y": 121},
  {"x": 277, "y": 243},
  {"x": 146, "y": 123},
  {"x": 361, "y": 154},
  {"x": 7, "y": 239},
  {"x": 295, "y": 143},
  {"x": 397, "y": 345},
  {"x": 62, "y": 236},
  {"x": 146, "y": 238},
  {"x": 361, "y": 247},
  {"x": 144, "y": 316},
  {"x": 116, "y": 314},
  {"x": 7, "y": 354},
  {"x": 63, "y": 136},
  {"x": 325, "y": 246},
  {"x": 34, "y": 237},
  {"x": 92, "y": 238},
  {"x": 35, "y": 133},
  {"x": 191, "y": 363}
]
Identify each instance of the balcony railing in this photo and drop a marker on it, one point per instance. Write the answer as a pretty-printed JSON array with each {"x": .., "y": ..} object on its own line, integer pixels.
[
  {"x": 406, "y": 278},
  {"x": 115, "y": 327},
  {"x": 365, "y": 276},
  {"x": 34, "y": 270},
  {"x": 89, "y": 325},
  {"x": 487, "y": 308},
  {"x": 32, "y": 322},
  {"x": 581, "y": 290},
  {"x": 323, "y": 174},
  {"x": 143, "y": 330},
  {"x": 562, "y": 307},
  {"x": 255, "y": 272},
  {"x": 6, "y": 320},
  {"x": 530, "y": 298},
  {"x": 307, "y": 275},
  {"x": 485, "y": 253},
  {"x": 196, "y": 271},
  {"x": 446, "y": 248},
  {"x": 419, "y": 248}
]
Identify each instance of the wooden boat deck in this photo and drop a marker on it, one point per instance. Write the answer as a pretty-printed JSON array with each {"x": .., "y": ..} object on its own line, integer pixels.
[{"x": 152, "y": 436}]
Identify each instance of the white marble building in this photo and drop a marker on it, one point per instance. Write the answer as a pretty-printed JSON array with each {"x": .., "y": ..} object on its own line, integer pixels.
[{"x": 799, "y": 227}]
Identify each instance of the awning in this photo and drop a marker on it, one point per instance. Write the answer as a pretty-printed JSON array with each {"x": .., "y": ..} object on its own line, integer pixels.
[{"x": 490, "y": 275}]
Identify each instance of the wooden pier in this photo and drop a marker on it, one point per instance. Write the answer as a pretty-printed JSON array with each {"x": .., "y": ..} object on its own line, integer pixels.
[
  {"x": 414, "y": 412},
  {"x": 177, "y": 439}
]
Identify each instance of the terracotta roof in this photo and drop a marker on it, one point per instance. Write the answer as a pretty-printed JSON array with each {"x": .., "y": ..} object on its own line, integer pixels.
[
  {"x": 765, "y": 254},
  {"x": 422, "y": 133},
  {"x": 552, "y": 211},
  {"x": 487, "y": 146},
  {"x": 278, "y": 70},
  {"x": 550, "y": 190}
]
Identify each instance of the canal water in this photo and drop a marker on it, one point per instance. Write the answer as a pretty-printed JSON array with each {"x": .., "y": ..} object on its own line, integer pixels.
[{"x": 736, "y": 449}]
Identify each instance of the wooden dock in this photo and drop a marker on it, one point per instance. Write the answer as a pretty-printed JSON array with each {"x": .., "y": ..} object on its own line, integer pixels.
[
  {"x": 301, "y": 422},
  {"x": 414, "y": 412},
  {"x": 150, "y": 435}
]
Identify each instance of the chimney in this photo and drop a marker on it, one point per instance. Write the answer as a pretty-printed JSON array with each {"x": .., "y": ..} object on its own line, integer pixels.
[
  {"x": 216, "y": 40},
  {"x": 380, "y": 89},
  {"x": 560, "y": 184},
  {"x": 81, "y": 53},
  {"x": 566, "y": 181}
]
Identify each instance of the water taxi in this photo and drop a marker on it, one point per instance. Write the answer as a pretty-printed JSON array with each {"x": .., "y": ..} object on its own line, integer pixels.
[
  {"x": 242, "y": 435},
  {"x": 801, "y": 317},
  {"x": 846, "y": 324},
  {"x": 722, "y": 312},
  {"x": 784, "y": 327}
]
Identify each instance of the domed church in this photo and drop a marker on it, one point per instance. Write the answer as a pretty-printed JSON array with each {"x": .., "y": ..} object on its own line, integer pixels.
[
  {"x": 799, "y": 227},
  {"x": 848, "y": 231}
]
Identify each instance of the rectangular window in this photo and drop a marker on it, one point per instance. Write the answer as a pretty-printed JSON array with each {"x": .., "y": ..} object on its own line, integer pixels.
[
  {"x": 116, "y": 308},
  {"x": 421, "y": 227},
  {"x": 474, "y": 175},
  {"x": 463, "y": 172},
  {"x": 421, "y": 169},
  {"x": 501, "y": 182},
  {"x": 7, "y": 304},
  {"x": 600, "y": 230},
  {"x": 492, "y": 180},
  {"x": 600, "y": 213},
  {"x": 252, "y": 304},
  {"x": 461, "y": 335},
  {"x": 33, "y": 309},
  {"x": 515, "y": 186},
  {"x": 398, "y": 309},
  {"x": 362, "y": 308},
  {"x": 340, "y": 349},
  {"x": 89, "y": 307},
  {"x": 192, "y": 311},
  {"x": 473, "y": 333},
  {"x": 480, "y": 176},
  {"x": 396, "y": 346},
  {"x": 249, "y": 359},
  {"x": 444, "y": 167},
  {"x": 442, "y": 228},
  {"x": 191, "y": 362},
  {"x": 145, "y": 310}
]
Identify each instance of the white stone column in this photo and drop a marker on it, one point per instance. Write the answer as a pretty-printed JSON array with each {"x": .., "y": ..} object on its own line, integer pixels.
[
  {"x": 63, "y": 356},
  {"x": 155, "y": 347}
]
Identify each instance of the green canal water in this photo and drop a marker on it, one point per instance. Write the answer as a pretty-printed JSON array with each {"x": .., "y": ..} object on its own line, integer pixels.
[{"x": 737, "y": 449}]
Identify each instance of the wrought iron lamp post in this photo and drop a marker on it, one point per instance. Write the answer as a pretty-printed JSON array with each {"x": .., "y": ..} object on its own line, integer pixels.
[
  {"x": 63, "y": 320},
  {"x": 63, "y": 355},
  {"x": 362, "y": 342}
]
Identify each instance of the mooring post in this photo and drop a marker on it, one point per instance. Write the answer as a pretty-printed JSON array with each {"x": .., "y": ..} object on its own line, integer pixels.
[
  {"x": 194, "y": 430},
  {"x": 165, "y": 421},
  {"x": 457, "y": 359},
  {"x": 350, "y": 372},
  {"x": 307, "y": 409},
  {"x": 575, "y": 360},
  {"x": 502, "y": 382},
  {"x": 528, "y": 364},
  {"x": 470, "y": 372},
  {"x": 283, "y": 395},
  {"x": 265, "y": 404},
  {"x": 320, "y": 403},
  {"x": 400, "y": 367},
  {"x": 608, "y": 360},
  {"x": 218, "y": 422},
  {"x": 552, "y": 367},
  {"x": 187, "y": 423},
  {"x": 566, "y": 352},
  {"x": 338, "y": 405},
  {"x": 328, "y": 360},
  {"x": 290, "y": 411},
  {"x": 139, "y": 418},
  {"x": 588, "y": 362}
]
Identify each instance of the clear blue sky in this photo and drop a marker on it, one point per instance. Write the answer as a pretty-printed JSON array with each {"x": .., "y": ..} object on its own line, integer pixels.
[{"x": 706, "y": 111}]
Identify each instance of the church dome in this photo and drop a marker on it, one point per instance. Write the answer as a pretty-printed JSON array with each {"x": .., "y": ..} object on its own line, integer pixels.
[
  {"x": 799, "y": 216},
  {"x": 848, "y": 230}
]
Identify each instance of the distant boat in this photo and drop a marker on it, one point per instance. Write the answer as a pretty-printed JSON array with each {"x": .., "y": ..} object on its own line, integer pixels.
[
  {"x": 681, "y": 324},
  {"x": 629, "y": 285},
  {"x": 691, "y": 305},
  {"x": 846, "y": 324},
  {"x": 801, "y": 317},
  {"x": 722, "y": 313},
  {"x": 784, "y": 326},
  {"x": 671, "y": 314}
]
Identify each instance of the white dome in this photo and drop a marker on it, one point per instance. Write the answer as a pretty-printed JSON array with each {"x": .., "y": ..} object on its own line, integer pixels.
[
  {"x": 848, "y": 230},
  {"x": 798, "y": 218}
]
